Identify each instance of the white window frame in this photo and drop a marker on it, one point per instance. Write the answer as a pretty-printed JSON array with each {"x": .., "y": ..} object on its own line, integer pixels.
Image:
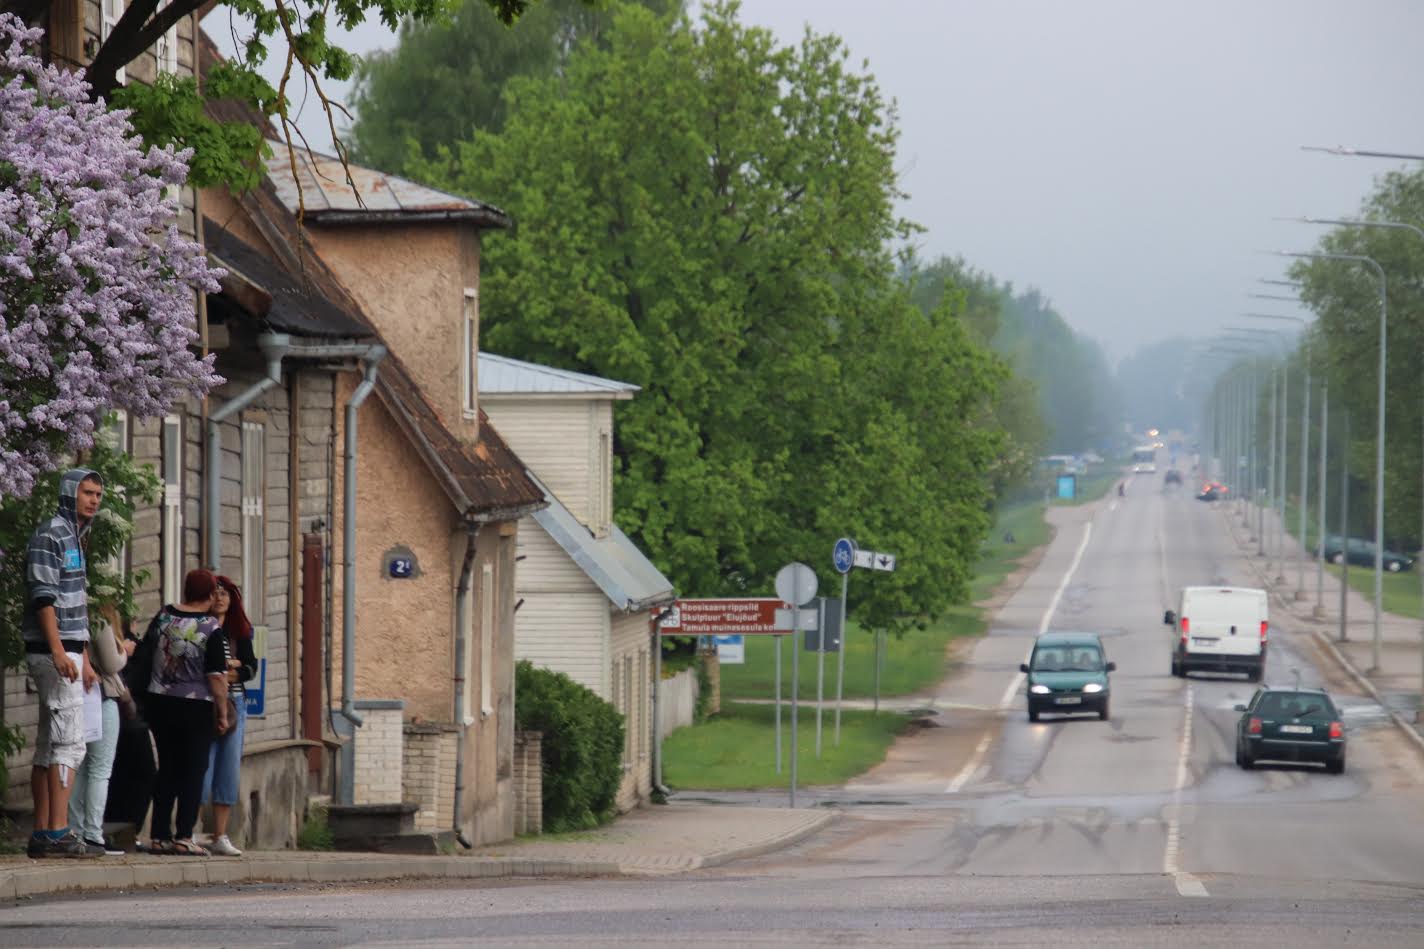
[
  {"x": 469, "y": 353},
  {"x": 172, "y": 464},
  {"x": 487, "y": 641},
  {"x": 641, "y": 742},
  {"x": 628, "y": 712},
  {"x": 165, "y": 51},
  {"x": 110, "y": 12},
  {"x": 254, "y": 523},
  {"x": 603, "y": 514}
]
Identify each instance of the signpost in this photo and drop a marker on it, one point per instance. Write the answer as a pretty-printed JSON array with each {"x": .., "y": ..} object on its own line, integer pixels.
[
  {"x": 731, "y": 650},
  {"x": 796, "y": 584},
  {"x": 827, "y": 638},
  {"x": 846, "y": 556}
]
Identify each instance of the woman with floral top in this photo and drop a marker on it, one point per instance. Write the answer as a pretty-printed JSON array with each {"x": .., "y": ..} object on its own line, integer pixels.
[{"x": 186, "y": 705}]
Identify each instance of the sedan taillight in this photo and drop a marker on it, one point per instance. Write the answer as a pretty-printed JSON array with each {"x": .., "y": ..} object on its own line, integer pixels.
[
  {"x": 1337, "y": 730},
  {"x": 1254, "y": 727}
]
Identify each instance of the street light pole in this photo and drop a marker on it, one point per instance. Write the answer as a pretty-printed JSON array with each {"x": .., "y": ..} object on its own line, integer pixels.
[{"x": 1379, "y": 430}]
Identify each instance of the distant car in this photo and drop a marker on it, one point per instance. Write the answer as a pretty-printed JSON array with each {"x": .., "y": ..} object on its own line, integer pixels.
[
  {"x": 1173, "y": 476},
  {"x": 1212, "y": 491},
  {"x": 1290, "y": 725},
  {"x": 1067, "y": 672},
  {"x": 1361, "y": 553}
]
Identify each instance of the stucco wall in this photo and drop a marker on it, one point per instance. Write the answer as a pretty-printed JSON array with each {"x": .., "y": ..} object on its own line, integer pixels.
[
  {"x": 404, "y": 627},
  {"x": 411, "y": 281}
]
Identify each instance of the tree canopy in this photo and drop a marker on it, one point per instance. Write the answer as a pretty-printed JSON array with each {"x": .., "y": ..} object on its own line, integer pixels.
[
  {"x": 445, "y": 79},
  {"x": 710, "y": 218}
]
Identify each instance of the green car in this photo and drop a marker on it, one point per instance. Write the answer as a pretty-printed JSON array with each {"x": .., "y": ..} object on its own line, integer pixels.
[
  {"x": 1290, "y": 725},
  {"x": 1067, "y": 672}
]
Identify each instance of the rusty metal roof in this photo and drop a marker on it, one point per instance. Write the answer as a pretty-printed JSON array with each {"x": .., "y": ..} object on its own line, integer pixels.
[
  {"x": 484, "y": 480},
  {"x": 326, "y": 196}
]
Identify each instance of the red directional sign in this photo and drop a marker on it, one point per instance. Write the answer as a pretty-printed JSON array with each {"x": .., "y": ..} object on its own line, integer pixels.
[{"x": 745, "y": 617}]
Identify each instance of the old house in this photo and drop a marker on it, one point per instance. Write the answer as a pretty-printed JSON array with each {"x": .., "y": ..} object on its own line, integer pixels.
[{"x": 586, "y": 590}]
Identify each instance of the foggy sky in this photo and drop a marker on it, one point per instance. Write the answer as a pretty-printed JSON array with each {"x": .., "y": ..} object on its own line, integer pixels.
[{"x": 1126, "y": 157}]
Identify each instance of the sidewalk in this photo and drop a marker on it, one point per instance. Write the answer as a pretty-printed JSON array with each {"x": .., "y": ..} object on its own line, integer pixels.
[
  {"x": 1396, "y": 683},
  {"x": 655, "y": 840}
]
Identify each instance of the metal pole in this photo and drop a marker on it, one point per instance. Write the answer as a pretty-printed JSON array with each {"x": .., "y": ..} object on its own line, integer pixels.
[
  {"x": 1345, "y": 528},
  {"x": 877, "y": 670},
  {"x": 1379, "y": 484},
  {"x": 840, "y": 659},
  {"x": 1320, "y": 505},
  {"x": 795, "y": 687},
  {"x": 778, "y": 703},
  {"x": 820, "y": 670},
  {"x": 1281, "y": 533},
  {"x": 1300, "y": 593},
  {"x": 1269, "y": 499}
]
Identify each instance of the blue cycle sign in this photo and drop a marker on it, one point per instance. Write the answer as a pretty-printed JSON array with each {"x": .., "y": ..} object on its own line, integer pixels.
[{"x": 843, "y": 556}]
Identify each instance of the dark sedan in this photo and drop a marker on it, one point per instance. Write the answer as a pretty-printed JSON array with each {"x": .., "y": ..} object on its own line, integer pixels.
[
  {"x": 1290, "y": 725},
  {"x": 1361, "y": 553}
]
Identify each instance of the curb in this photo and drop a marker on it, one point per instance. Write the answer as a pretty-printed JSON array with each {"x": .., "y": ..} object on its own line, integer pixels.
[
  {"x": 1342, "y": 660},
  {"x": 717, "y": 858},
  {"x": 110, "y": 874}
]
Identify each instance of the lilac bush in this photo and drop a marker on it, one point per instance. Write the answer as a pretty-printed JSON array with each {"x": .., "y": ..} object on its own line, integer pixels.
[{"x": 97, "y": 285}]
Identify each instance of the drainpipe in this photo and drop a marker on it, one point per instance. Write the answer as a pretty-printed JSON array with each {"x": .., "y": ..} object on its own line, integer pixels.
[
  {"x": 371, "y": 360},
  {"x": 464, "y": 612},
  {"x": 274, "y": 346},
  {"x": 657, "y": 691}
]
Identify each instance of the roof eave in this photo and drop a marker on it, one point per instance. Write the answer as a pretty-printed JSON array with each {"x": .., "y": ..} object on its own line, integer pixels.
[{"x": 483, "y": 218}]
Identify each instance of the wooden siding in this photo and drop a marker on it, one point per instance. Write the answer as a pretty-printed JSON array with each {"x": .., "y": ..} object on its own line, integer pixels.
[
  {"x": 552, "y": 438},
  {"x": 631, "y": 640},
  {"x": 565, "y": 632},
  {"x": 546, "y": 568}
]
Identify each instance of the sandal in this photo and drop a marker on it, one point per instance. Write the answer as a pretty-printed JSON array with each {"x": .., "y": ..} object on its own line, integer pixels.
[
  {"x": 158, "y": 847},
  {"x": 186, "y": 848}
]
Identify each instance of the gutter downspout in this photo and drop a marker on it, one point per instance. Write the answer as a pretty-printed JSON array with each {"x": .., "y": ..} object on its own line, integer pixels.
[
  {"x": 657, "y": 742},
  {"x": 275, "y": 346},
  {"x": 464, "y": 611},
  {"x": 372, "y": 360}
]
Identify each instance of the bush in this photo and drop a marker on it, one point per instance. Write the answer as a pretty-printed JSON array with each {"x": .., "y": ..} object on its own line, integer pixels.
[{"x": 582, "y": 746}]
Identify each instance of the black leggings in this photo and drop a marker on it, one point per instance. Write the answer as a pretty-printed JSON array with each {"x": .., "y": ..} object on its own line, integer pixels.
[{"x": 183, "y": 731}]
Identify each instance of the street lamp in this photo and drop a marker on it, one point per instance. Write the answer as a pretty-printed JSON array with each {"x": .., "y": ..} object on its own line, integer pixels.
[
  {"x": 1246, "y": 451},
  {"x": 1251, "y": 334},
  {"x": 1276, "y": 495},
  {"x": 1358, "y": 152},
  {"x": 1379, "y": 430},
  {"x": 1304, "y": 460}
]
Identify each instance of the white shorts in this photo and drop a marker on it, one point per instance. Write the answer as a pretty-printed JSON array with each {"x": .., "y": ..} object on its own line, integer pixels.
[{"x": 60, "y": 739}]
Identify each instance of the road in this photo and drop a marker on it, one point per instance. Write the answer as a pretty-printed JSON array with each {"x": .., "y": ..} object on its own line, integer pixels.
[{"x": 989, "y": 830}]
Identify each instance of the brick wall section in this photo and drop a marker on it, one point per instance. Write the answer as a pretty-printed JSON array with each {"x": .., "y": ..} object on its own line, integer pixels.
[
  {"x": 528, "y": 782},
  {"x": 379, "y": 752},
  {"x": 429, "y": 774}
]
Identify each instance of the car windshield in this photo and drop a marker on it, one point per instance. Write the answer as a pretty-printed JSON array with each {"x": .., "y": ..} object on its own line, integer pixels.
[
  {"x": 1067, "y": 659},
  {"x": 1302, "y": 705}
]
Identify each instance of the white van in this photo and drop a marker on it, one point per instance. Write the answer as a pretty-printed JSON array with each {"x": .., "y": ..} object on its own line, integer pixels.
[{"x": 1221, "y": 629}]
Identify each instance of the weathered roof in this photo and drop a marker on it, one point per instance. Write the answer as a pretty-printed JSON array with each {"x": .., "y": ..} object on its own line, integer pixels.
[
  {"x": 500, "y": 375},
  {"x": 614, "y": 563},
  {"x": 369, "y": 197},
  {"x": 482, "y": 480},
  {"x": 293, "y": 305}
]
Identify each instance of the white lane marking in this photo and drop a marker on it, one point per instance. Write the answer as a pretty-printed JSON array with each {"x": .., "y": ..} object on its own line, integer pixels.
[
  {"x": 1187, "y": 885},
  {"x": 1112, "y": 506},
  {"x": 980, "y": 750}
]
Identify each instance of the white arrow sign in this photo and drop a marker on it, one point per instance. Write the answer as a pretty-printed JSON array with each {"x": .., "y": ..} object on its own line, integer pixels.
[
  {"x": 875, "y": 560},
  {"x": 862, "y": 558}
]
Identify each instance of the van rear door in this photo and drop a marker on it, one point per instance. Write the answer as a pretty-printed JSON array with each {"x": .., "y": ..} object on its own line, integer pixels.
[{"x": 1223, "y": 621}]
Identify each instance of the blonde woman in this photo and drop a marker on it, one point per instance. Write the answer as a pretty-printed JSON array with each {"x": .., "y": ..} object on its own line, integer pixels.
[{"x": 109, "y": 652}]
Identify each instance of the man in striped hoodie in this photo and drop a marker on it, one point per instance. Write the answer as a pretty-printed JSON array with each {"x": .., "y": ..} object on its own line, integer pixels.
[{"x": 55, "y": 629}]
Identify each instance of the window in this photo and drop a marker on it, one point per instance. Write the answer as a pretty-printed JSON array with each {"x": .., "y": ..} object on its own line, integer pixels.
[
  {"x": 604, "y": 488},
  {"x": 254, "y": 527},
  {"x": 116, "y": 436},
  {"x": 172, "y": 509},
  {"x": 487, "y": 641},
  {"x": 469, "y": 353},
  {"x": 165, "y": 52},
  {"x": 112, "y": 11},
  {"x": 642, "y": 693},
  {"x": 629, "y": 725}
]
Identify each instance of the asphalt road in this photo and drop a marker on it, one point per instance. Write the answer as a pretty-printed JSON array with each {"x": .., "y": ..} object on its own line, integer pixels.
[{"x": 1137, "y": 831}]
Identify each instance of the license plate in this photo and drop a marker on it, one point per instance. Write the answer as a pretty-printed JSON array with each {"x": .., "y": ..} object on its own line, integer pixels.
[
  {"x": 1068, "y": 700},
  {"x": 1204, "y": 640},
  {"x": 1297, "y": 730}
]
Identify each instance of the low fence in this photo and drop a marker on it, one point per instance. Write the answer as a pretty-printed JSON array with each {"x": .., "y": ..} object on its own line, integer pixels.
[{"x": 677, "y": 701}]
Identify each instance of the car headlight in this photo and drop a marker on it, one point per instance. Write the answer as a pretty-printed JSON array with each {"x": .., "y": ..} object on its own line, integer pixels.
[
  {"x": 1092, "y": 687},
  {"x": 1039, "y": 689}
]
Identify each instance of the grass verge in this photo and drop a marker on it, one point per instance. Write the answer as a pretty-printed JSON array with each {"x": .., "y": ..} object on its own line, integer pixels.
[
  {"x": 1403, "y": 594},
  {"x": 737, "y": 749},
  {"x": 911, "y": 662}
]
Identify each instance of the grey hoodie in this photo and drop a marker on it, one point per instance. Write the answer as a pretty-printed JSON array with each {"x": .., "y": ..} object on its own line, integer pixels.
[{"x": 55, "y": 573}]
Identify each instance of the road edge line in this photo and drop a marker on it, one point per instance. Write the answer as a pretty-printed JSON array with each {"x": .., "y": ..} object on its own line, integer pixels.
[{"x": 1344, "y": 663}]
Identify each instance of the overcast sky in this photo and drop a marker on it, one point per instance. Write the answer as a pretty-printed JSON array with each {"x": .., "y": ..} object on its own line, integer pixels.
[{"x": 1126, "y": 157}]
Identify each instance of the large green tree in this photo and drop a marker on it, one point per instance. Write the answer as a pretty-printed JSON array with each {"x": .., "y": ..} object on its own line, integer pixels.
[
  {"x": 709, "y": 218},
  {"x": 445, "y": 79},
  {"x": 1345, "y": 296}
]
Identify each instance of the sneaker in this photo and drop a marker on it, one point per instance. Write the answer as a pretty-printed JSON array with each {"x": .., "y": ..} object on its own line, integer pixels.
[
  {"x": 223, "y": 847},
  {"x": 71, "y": 846},
  {"x": 105, "y": 849},
  {"x": 38, "y": 847}
]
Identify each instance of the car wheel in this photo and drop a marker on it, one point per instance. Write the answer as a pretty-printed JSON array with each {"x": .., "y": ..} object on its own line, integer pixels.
[
  {"x": 1033, "y": 712},
  {"x": 1337, "y": 766},
  {"x": 1244, "y": 759},
  {"x": 1338, "y": 559},
  {"x": 1177, "y": 668},
  {"x": 1392, "y": 566},
  {"x": 1253, "y": 674},
  {"x": 1103, "y": 711}
]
